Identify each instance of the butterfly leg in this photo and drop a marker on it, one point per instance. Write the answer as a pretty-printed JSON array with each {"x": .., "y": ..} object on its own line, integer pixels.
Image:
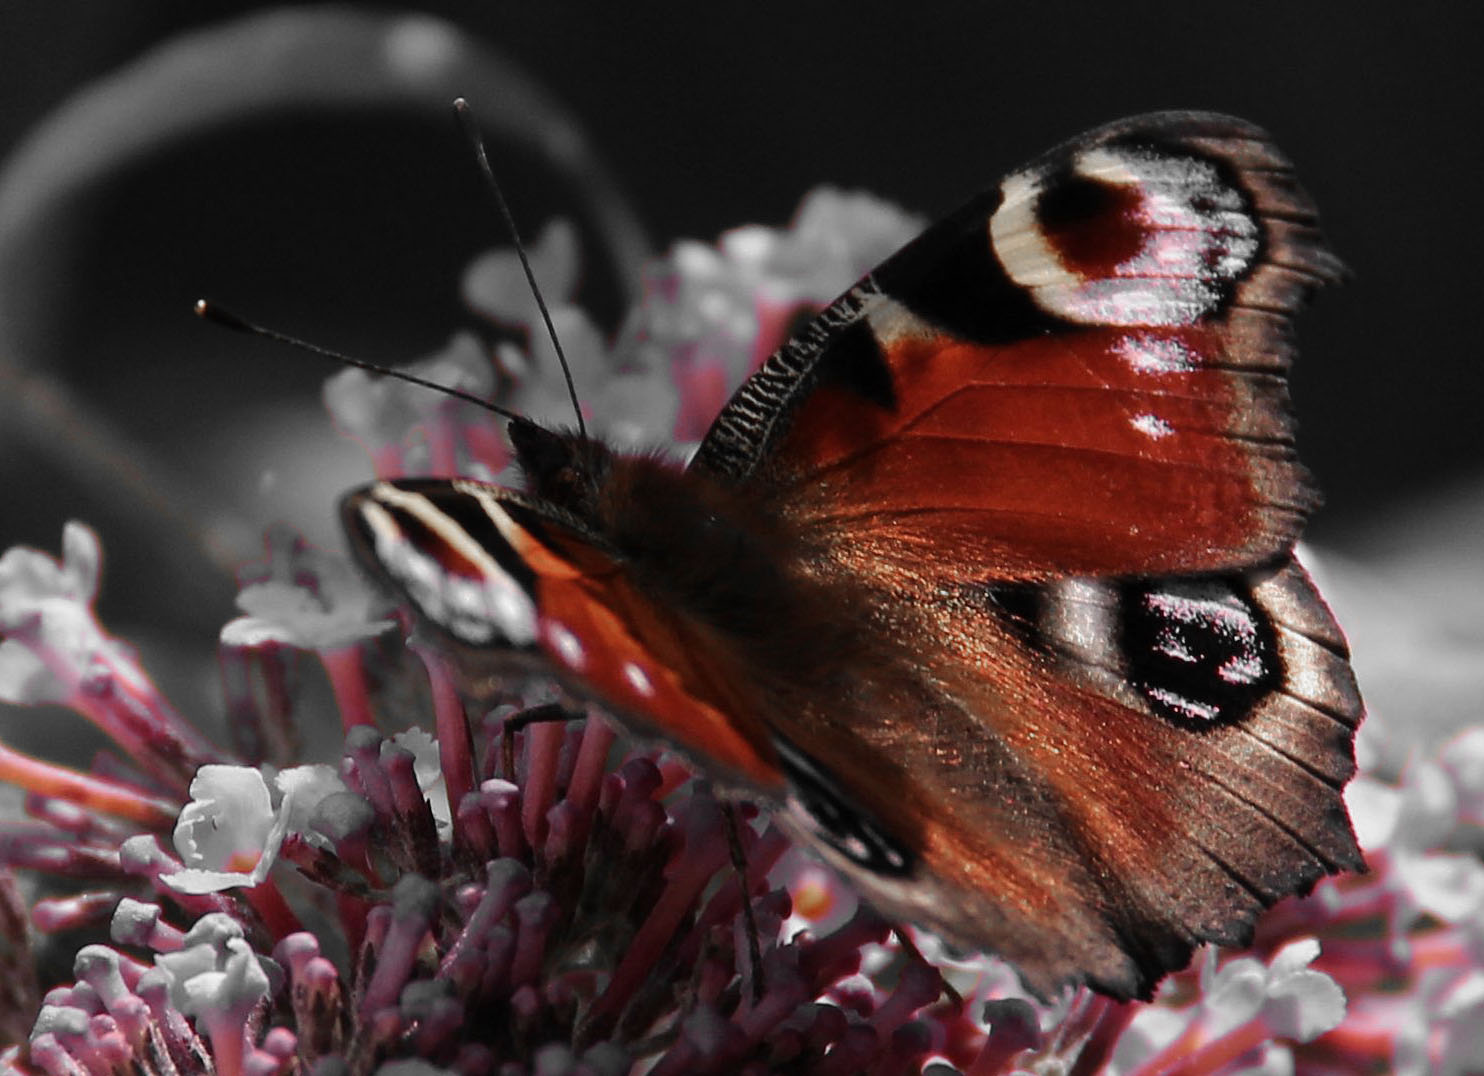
[
  {"x": 904, "y": 939},
  {"x": 739, "y": 867}
]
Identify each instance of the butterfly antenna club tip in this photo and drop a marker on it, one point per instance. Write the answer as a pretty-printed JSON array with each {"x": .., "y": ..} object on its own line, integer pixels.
[{"x": 206, "y": 310}]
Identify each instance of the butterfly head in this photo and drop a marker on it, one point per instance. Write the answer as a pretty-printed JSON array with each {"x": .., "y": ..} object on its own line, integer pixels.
[{"x": 560, "y": 468}]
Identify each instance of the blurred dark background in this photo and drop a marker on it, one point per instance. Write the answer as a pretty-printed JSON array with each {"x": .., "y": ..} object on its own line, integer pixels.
[{"x": 352, "y": 228}]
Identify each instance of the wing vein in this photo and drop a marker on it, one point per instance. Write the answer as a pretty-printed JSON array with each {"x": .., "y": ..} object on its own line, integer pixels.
[
  {"x": 1283, "y": 827},
  {"x": 853, "y": 458}
]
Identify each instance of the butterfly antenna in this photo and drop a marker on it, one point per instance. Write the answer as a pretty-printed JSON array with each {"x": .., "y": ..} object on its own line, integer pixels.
[
  {"x": 220, "y": 316},
  {"x": 476, "y": 142}
]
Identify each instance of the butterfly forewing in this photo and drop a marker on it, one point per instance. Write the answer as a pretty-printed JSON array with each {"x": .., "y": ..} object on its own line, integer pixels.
[
  {"x": 565, "y": 596},
  {"x": 1079, "y": 372}
]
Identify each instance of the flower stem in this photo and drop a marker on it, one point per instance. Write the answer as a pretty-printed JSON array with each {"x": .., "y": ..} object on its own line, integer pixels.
[
  {"x": 48, "y": 779},
  {"x": 348, "y": 681}
]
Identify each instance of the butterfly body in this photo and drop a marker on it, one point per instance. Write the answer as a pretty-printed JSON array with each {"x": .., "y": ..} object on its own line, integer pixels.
[{"x": 983, "y": 584}]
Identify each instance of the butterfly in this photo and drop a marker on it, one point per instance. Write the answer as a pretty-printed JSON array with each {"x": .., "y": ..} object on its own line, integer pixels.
[{"x": 984, "y": 583}]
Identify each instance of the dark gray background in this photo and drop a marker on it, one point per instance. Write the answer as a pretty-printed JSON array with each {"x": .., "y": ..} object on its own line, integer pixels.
[{"x": 354, "y": 231}]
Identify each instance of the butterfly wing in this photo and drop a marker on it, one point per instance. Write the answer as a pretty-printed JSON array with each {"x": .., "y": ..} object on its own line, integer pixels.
[
  {"x": 503, "y": 582},
  {"x": 1052, "y": 438},
  {"x": 1092, "y": 792},
  {"x": 1079, "y": 372}
]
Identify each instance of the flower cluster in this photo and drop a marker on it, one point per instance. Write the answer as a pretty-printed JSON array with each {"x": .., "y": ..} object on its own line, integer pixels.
[
  {"x": 711, "y": 315},
  {"x": 516, "y": 890}
]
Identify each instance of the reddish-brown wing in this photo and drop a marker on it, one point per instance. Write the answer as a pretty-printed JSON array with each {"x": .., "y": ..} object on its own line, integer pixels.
[
  {"x": 1139, "y": 769},
  {"x": 497, "y": 579},
  {"x": 1080, "y": 372},
  {"x": 1051, "y": 439},
  {"x": 1045, "y": 788}
]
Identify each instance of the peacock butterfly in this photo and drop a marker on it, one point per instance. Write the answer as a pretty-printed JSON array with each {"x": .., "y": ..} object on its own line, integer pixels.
[{"x": 983, "y": 583}]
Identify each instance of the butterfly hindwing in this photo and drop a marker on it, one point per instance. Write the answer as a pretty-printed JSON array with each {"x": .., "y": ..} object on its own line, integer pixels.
[{"x": 1173, "y": 807}]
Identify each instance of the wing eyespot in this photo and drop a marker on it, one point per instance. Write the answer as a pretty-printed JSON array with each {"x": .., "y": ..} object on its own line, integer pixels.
[
  {"x": 819, "y": 806},
  {"x": 1199, "y": 651}
]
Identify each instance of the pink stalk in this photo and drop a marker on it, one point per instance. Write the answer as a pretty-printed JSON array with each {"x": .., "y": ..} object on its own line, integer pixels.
[
  {"x": 592, "y": 763},
  {"x": 474, "y": 830},
  {"x": 138, "y": 923},
  {"x": 112, "y": 1046},
  {"x": 487, "y": 445},
  {"x": 418, "y": 829},
  {"x": 536, "y": 915},
  {"x": 838, "y": 953},
  {"x": 360, "y": 768},
  {"x": 565, "y": 830},
  {"x": 543, "y": 753},
  {"x": 1168, "y": 1057},
  {"x": 1371, "y": 1031},
  {"x": 51, "y": 915},
  {"x": 919, "y": 985},
  {"x": 96, "y": 794},
  {"x": 295, "y": 951},
  {"x": 726, "y": 903},
  {"x": 627, "y": 791},
  {"x": 262, "y": 1063},
  {"x": 1212, "y": 1056},
  {"x": 506, "y": 881},
  {"x": 1362, "y": 963},
  {"x": 388, "y": 461},
  {"x": 414, "y": 902},
  {"x": 673, "y": 774},
  {"x": 104, "y": 971},
  {"x": 227, "y": 1031},
  {"x": 348, "y": 681},
  {"x": 1012, "y": 1031},
  {"x": 701, "y": 858},
  {"x": 785, "y": 993},
  {"x": 644, "y": 824},
  {"x": 147, "y": 858},
  {"x": 281, "y": 1043},
  {"x": 443, "y": 440},
  {"x": 455, "y": 745},
  {"x": 570, "y": 822},
  {"x": 1446, "y": 948},
  {"x": 352, "y": 912},
  {"x": 54, "y": 1058},
  {"x": 267, "y": 900},
  {"x": 502, "y": 805},
  {"x": 259, "y": 700},
  {"x": 124, "y": 703},
  {"x": 1105, "y": 1021},
  {"x": 904, "y": 1050}
]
